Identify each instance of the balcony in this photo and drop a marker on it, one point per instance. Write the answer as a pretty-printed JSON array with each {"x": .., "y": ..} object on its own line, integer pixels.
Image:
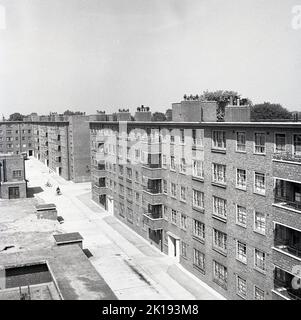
[
  {"x": 287, "y": 240},
  {"x": 153, "y": 221},
  {"x": 284, "y": 285},
  {"x": 287, "y": 195},
  {"x": 153, "y": 186},
  {"x": 287, "y": 157}
]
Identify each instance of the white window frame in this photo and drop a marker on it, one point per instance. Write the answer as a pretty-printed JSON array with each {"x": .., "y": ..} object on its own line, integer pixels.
[
  {"x": 245, "y": 144},
  {"x": 223, "y": 238},
  {"x": 241, "y": 187},
  {"x": 293, "y": 144},
  {"x": 184, "y": 221},
  {"x": 258, "y": 191},
  {"x": 200, "y": 225},
  {"x": 215, "y": 142},
  {"x": 237, "y": 221},
  {"x": 216, "y": 202},
  {"x": 197, "y": 253},
  {"x": 254, "y": 226},
  {"x": 260, "y": 153},
  {"x": 194, "y": 204},
  {"x": 183, "y": 199},
  {"x": 275, "y": 140},
  {"x": 198, "y": 167},
  {"x": 256, "y": 287},
  {"x": 241, "y": 294},
  {"x": 224, "y": 169},
  {"x": 238, "y": 256},
  {"x": 264, "y": 261}
]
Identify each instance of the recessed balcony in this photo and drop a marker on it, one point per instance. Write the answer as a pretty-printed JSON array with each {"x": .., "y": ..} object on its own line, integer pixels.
[
  {"x": 287, "y": 195},
  {"x": 286, "y": 285},
  {"x": 287, "y": 157}
]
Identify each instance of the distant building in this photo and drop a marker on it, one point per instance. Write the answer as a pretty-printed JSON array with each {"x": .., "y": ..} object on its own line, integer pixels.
[{"x": 13, "y": 184}]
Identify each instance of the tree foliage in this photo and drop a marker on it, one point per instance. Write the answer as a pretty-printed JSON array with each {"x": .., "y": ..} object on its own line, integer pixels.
[
  {"x": 72, "y": 113},
  {"x": 269, "y": 111},
  {"x": 158, "y": 116},
  {"x": 16, "y": 117}
]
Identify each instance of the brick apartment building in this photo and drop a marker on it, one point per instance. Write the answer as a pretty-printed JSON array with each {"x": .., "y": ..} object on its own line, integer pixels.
[
  {"x": 222, "y": 198},
  {"x": 12, "y": 177},
  {"x": 60, "y": 142}
]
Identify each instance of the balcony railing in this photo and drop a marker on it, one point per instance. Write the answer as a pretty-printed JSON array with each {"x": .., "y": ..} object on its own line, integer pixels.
[
  {"x": 152, "y": 190},
  {"x": 287, "y": 156},
  {"x": 287, "y": 203},
  {"x": 286, "y": 290},
  {"x": 154, "y": 222},
  {"x": 280, "y": 244}
]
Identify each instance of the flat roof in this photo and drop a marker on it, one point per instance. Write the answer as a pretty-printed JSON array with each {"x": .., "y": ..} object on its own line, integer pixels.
[
  {"x": 67, "y": 237},
  {"x": 45, "y": 206}
]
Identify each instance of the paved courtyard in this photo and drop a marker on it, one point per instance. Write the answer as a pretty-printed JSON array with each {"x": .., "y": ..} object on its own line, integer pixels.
[{"x": 129, "y": 264}]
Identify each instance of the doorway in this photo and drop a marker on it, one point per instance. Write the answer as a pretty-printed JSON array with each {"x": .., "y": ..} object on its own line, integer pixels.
[
  {"x": 174, "y": 247},
  {"x": 13, "y": 193},
  {"x": 110, "y": 205}
]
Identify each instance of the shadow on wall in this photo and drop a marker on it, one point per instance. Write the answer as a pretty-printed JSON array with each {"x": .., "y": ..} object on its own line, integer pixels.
[{"x": 33, "y": 190}]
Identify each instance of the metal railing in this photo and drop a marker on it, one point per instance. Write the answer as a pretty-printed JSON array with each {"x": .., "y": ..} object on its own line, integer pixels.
[
  {"x": 287, "y": 203},
  {"x": 286, "y": 247},
  {"x": 287, "y": 156}
]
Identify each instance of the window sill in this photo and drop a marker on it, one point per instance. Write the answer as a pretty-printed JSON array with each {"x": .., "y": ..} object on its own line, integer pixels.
[
  {"x": 221, "y": 284},
  {"x": 219, "y": 218},
  {"x": 260, "y": 270},
  {"x": 200, "y": 240},
  {"x": 198, "y": 268},
  {"x": 241, "y": 225},
  {"x": 241, "y": 296},
  {"x": 201, "y": 210},
  {"x": 260, "y": 233},
  {"x": 198, "y": 178},
  {"x": 241, "y": 189},
  {"x": 183, "y": 201},
  {"x": 258, "y": 193},
  {"x": 243, "y": 262},
  {"x": 218, "y": 150},
  {"x": 238, "y": 151},
  {"x": 217, "y": 184},
  {"x": 259, "y": 154},
  {"x": 220, "y": 251}
]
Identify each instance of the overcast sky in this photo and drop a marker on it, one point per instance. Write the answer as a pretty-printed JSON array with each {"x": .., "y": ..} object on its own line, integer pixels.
[{"x": 109, "y": 54}]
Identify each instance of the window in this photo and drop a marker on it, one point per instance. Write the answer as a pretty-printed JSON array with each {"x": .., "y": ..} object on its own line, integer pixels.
[
  {"x": 198, "y": 229},
  {"x": 183, "y": 165},
  {"x": 259, "y": 260},
  {"x": 173, "y": 188},
  {"x": 241, "y": 251},
  {"x": 121, "y": 169},
  {"x": 17, "y": 174},
  {"x": 182, "y": 136},
  {"x": 194, "y": 140},
  {"x": 129, "y": 192},
  {"x": 241, "y": 286},
  {"x": 219, "y": 140},
  {"x": 259, "y": 222},
  {"x": 258, "y": 293},
  {"x": 172, "y": 163},
  {"x": 220, "y": 207},
  {"x": 259, "y": 183},
  {"x": 183, "y": 193},
  {"x": 241, "y": 179},
  {"x": 184, "y": 249},
  {"x": 137, "y": 196},
  {"x": 172, "y": 139},
  {"x": 165, "y": 213},
  {"x": 280, "y": 142},
  {"x": 197, "y": 168},
  {"x": 198, "y": 199},
  {"x": 240, "y": 141},
  {"x": 136, "y": 175},
  {"x": 121, "y": 210},
  {"x": 184, "y": 221},
  {"x": 164, "y": 160},
  {"x": 241, "y": 216},
  {"x": 164, "y": 186},
  {"x": 219, "y": 173},
  {"x": 220, "y": 274},
  {"x": 129, "y": 173},
  {"x": 219, "y": 240},
  {"x": 259, "y": 140},
  {"x": 130, "y": 215},
  {"x": 198, "y": 259},
  {"x": 297, "y": 144},
  {"x": 174, "y": 216}
]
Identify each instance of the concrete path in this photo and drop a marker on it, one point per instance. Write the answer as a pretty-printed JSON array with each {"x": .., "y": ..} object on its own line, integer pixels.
[{"x": 129, "y": 264}]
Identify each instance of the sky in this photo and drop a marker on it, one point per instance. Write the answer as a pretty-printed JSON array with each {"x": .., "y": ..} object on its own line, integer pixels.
[{"x": 90, "y": 55}]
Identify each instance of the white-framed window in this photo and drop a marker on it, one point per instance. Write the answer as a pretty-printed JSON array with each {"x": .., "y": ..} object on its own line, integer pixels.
[
  {"x": 172, "y": 163},
  {"x": 297, "y": 144},
  {"x": 241, "y": 286},
  {"x": 184, "y": 247},
  {"x": 259, "y": 183},
  {"x": 199, "y": 229},
  {"x": 165, "y": 213},
  {"x": 258, "y": 293},
  {"x": 219, "y": 173},
  {"x": 182, "y": 136},
  {"x": 220, "y": 207},
  {"x": 259, "y": 142},
  {"x": 241, "y": 179},
  {"x": 241, "y": 251},
  {"x": 220, "y": 273},
  {"x": 184, "y": 221},
  {"x": 197, "y": 199},
  {"x": 198, "y": 259},
  {"x": 183, "y": 165},
  {"x": 280, "y": 141},
  {"x": 241, "y": 215},
  {"x": 183, "y": 193},
  {"x": 198, "y": 168},
  {"x": 219, "y": 139},
  {"x": 259, "y": 260},
  {"x": 219, "y": 240},
  {"x": 173, "y": 216},
  {"x": 173, "y": 189},
  {"x": 164, "y": 186},
  {"x": 259, "y": 222},
  {"x": 241, "y": 141},
  {"x": 164, "y": 160}
]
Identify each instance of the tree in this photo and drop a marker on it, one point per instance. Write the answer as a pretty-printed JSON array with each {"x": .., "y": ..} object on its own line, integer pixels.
[
  {"x": 16, "y": 117},
  {"x": 158, "y": 116},
  {"x": 71, "y": 113},
  {"x": 269, "y": 111}
]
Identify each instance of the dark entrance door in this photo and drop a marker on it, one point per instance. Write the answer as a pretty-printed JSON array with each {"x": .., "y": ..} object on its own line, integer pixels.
[{"x": 13, "y": 193}]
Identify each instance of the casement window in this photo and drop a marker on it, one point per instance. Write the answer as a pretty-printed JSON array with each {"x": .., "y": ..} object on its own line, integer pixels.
[
  {"x": 184, "y": 247},
  {"x": 241, "y": 286},
  {"x": 241, "y": 251},
  {"x": 241, "y": 216},
  {"x": 197, "y": 199},
  {"x": 164, "y": 160},
  {"x": 197, "y": 168},
  {"x": 220, "y": 207},
  {"x": 174, "y": 216},
  {"x": 219, "y": 173},
  {"x": 259, "y": 222},
  {"x": 172, "y": 139},
  {"x": 240, "y": 141},
  {"x": 280, "y": 142},
  {"x": 220, "y": 274},
  {"x": 199, "y": 259},
  {"x": 219, "y": 240},
  {"x": 198, "y": 229},
  {"x": 258, "y": 293},
  {"x": 183, "y": 193},
  {"x": 172, "y": 163},
  {"x": 165, "y": 213},
  {"x": 184, "y": 221},
  {"x": 17, "y": 173},
  {"x": 259, "y": 140},
  {"x": 241, "y": 179},
  {"x": 164, "y": 186},
  {"x": 182, "y": 136},
  {"x": 121, "y": 210},
  {"x": 297, "y": 144},
  {"x": 259, "y": 260},
  {"x": 129, "y": 173},
  {"x": 219, "y": 140},
  {"x": 259, "y": 183},
  {"x": 173, "y": 189},
  {"x": 183, "y": 165}
]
